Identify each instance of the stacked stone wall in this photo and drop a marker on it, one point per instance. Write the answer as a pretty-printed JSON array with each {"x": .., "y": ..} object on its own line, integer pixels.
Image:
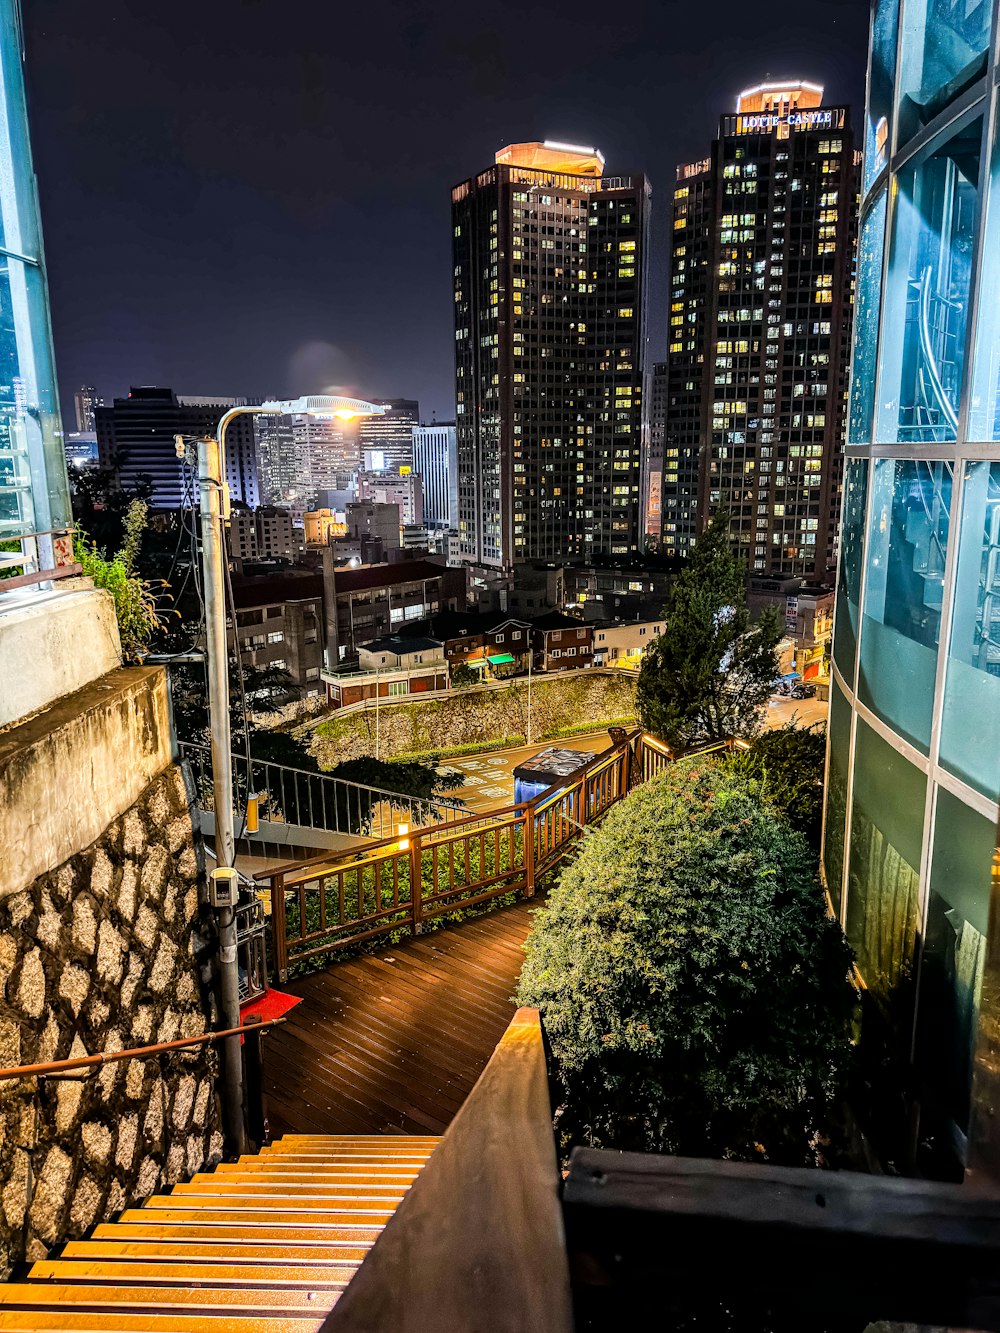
[{"x": 107, "y": 952}]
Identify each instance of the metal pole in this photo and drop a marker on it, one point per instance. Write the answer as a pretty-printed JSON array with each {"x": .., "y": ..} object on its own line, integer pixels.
[
  {"x": 213, "y": 554},
  {"x": 531, "y": 658},
  {"x": 377, "y": 676}
]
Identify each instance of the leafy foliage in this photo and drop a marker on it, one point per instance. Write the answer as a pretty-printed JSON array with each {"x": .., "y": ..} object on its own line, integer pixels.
[
  {"x": 462, "y": 676},
  {"x": 788, "y": 763},
  {"x": 708, "y": 675},
  {"x": 695, "y": 992},
  {"x": 135, "y": 602}
]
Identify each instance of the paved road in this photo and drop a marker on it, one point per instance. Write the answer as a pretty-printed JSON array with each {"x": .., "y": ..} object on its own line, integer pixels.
[{"x": 489, "y": 779}]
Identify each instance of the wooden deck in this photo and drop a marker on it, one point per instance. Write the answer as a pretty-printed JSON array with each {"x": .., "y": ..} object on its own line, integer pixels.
[{"x": 393, "y": 1042}]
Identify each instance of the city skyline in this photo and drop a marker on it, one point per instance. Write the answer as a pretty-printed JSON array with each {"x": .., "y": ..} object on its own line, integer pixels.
[{"x": 181, "y": 184}]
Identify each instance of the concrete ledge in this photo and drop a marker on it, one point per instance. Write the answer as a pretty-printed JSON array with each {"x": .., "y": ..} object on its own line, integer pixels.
[
  {"x": 53, "y": 643},
  {"x": 67, "y": 772}
]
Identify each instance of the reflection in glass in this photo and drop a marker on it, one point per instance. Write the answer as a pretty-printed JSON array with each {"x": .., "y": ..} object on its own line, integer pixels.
[
  {"x": 944, "y": 50},
  {"x": 882, "y": 77},
  {"x": 984, "y": 399},
  {"x": 970, "y": 729},
  {"x": 883, "y": 880},
  {"x": 836, "y": 795},
  {"x": 901, "y": 625},
  {"x": 927, "y": 293},
  {"x": 852, "y": 533},
  {"x": 954, "y": 952},
  {"x": 867, "y": 303}
]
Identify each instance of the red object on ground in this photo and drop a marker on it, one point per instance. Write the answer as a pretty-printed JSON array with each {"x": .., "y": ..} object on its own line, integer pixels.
[{"x": 272, "y": 1004}]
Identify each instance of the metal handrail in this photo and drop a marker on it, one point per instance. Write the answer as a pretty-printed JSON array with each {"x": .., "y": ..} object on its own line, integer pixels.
[{"x": 134, "y": 1053}]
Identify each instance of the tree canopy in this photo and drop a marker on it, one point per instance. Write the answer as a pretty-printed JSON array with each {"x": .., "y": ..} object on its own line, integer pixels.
[
  {"x": 788, "y": 762},
  {"x": 694, "y": 991},
  {"x": 708, "y": 675}
]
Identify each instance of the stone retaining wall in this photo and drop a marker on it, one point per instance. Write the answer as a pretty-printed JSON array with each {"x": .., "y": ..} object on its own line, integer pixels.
[{"x": 108, "y": 951}]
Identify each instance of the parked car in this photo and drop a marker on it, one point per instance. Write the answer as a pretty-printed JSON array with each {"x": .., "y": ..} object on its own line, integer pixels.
[{"x": 803, "y": 691}]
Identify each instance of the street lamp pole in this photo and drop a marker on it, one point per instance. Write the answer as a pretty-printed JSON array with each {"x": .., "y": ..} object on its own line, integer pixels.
[{"x": 531, "y": 659}]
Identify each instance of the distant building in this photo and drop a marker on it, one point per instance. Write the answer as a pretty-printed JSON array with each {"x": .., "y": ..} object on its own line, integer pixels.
[
  {"x": 435, "y": 460},
  {"x": 135, "y": 440},
  {"x": 561, "y": 643},
  {"x": 807, "y": 613},
  {"x": 391, "y": 435},
  {"x": 321, "y": 526},
  {"x": 85, "y": 402},
  {"x": 760, "y": 324},
  {"x": 329, "y": 449},
  {"x": 390, "y": 488},
  {"x": 266, "y": 533},
  {"x": 372, "y": 601},
  {"x": 374, "y": 519},
  {"x": 656, "y": 466},
  {"x": 279, "y": 625},
  {"x": 80, "y": 448},
  {"x": 284, "y": 471},
  {"x": 549, "y": 258},
  {"x": 613, "y": 594},
  {"x": 623, "y": 643}
]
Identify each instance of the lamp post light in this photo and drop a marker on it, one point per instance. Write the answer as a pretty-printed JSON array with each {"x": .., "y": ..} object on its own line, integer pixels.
[{"x": 214, "y": 513}]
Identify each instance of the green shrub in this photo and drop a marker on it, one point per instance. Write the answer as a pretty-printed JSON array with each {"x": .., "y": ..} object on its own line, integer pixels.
[
  {"x": 135, "y": 603},
  {"x": 694, "y": 991}
]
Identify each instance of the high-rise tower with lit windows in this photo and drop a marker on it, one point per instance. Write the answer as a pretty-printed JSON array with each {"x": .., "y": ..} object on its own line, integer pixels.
[
  {"x": 759, "y": 331},
  {"x": 549, "y": 288}
]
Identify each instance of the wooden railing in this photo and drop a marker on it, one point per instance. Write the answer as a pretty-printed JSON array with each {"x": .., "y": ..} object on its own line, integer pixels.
[
  {"x": 328, "y": 903},
  {"x": 478, "y": 1240}
]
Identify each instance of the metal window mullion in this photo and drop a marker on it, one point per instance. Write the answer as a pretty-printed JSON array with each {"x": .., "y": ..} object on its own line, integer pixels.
[{"x": 975, "y": 270}]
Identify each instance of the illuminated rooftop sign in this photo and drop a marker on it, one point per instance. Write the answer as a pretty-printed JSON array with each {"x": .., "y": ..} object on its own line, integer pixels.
[{"x": 797, "y": 120}]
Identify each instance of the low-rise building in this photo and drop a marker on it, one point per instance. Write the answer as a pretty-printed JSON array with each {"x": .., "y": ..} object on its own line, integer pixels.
[
  {"x": 561, "y": 643},
  {"x": 374, "y": 519},
  {"x": 322, "y": 526},
  {"x": 279, "y": 625},
  {"x": 389, "y": 668},
  {"x": 267, "y": 533},
  {"x": 807, "y": 609},
  {"x": 608, "y": 594},
  {"x": 622, "y": 643},
  {"x": 371, "y": 601}
]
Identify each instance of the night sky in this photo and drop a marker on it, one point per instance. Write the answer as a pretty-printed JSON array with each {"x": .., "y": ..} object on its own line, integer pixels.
[{"x": 252, "y": 196}]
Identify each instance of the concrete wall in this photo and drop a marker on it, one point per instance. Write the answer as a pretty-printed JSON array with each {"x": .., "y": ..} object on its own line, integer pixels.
[
  {"x": 52, "y": 644},
  {"x": 106, "y": 947}
]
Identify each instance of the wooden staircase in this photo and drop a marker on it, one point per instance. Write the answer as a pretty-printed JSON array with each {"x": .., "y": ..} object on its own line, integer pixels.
[{"x": 263, "y": 1245}]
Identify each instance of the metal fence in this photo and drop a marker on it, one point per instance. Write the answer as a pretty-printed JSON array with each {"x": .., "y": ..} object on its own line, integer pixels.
[{"x": 317, "y": 800}]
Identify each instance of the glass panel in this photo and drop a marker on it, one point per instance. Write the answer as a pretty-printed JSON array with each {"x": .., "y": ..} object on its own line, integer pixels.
[
  {"x": 867, "y": 303},
  {"x": 927, "y": 293},
  {"x": 944, "y": 50},
  {"x": 881, "y": 80},
  {"x": 901, "y": 625},
  {"x": 984, "y": 405},
  {"x": 33, "y": 488},
  {"x": 970, "y": 727},
  {"x": 883, "y": 881},
  {"x": 852, "y": 539},
  {"x": 951, "y": 971},
  {"x": 836, "y": 794}
]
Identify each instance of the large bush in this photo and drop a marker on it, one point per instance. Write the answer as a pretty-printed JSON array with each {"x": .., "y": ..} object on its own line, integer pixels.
[
  {"x": 695, "y": 993},
  {"x": 788, "y": 762}
]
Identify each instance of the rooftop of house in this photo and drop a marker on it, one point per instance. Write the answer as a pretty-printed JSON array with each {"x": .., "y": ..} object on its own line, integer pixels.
[{"x": 400, "y": 647}]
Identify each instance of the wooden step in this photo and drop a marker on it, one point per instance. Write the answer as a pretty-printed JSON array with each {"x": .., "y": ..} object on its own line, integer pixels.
[
  {"x": 81, "y": 1296},
  {"x": 240, "y": 1204},
  {"x": 155, "y": 1227},
  {"x": 262, "y": 1217},
  {"x": 278, "y": 1169},
  {"x": 123, "y": 1321},
  {"x": 338, "y": 1140},
  {"x": 333, "y": 1254},
  {"x": 245, "y": 1276},
  {"x": 294, "y": 1193}
]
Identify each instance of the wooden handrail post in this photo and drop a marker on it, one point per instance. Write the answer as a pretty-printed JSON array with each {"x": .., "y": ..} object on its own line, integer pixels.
[
  {"x": 528, "y": 845},
  {"x": 278, "y": 935},
  {"x": 416, "y": 884}
]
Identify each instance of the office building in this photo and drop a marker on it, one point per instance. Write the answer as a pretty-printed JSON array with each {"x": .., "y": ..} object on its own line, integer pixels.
[
  {"x": 549, "y": 287},
  {"x": 85, "y": 402},
  {"x": 392, "y": 488},
  {"x": 759, "y": 330},
  {"x": 914, "y": 751},
  {"x": 655, "y": 455},
  {"x": 435, "y": 460},
  {"x": 329, "y": 449},
  {"x": 80, "y": 448},
  {"x": 390, "y": 436},
  {"x": 374, "y": 518},
  {"x": 283, "y": 468},
  {"x": 135, "y": 441}
]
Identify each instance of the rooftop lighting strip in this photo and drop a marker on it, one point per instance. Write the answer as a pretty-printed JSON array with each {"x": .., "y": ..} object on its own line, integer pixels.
[{"x": 573, "y": 148}]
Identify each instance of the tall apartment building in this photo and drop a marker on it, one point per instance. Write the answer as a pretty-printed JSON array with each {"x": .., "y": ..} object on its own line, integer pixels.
[
  {"x": 760, "y": 311},
  {"x": 85, "y": 402},
  {"x": 914, "y": 738},
  {"x": 655, "y": 455},
  {"x": 266, "y": 533},
  {"x": 391, "y": 435},
  {"x": 435, "y": 461},
  {"x": 135, "y": 441},
  {"x": 549, "y": 286}
]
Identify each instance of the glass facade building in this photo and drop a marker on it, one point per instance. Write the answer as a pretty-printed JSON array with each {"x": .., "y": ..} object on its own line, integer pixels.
[
  {"x": 34, "y": 494},
  {"x": 914, "y": 751}
]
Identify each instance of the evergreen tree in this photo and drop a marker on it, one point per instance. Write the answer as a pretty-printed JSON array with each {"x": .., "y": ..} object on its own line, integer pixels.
[{"x": 708, "y": 676}]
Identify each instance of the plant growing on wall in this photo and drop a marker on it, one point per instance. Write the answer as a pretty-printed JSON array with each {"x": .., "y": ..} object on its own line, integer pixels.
[
  {"x": 135, "y": 601},
  {"x": 694, "y": 991},
  {"x": 708, "y": 675}
]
